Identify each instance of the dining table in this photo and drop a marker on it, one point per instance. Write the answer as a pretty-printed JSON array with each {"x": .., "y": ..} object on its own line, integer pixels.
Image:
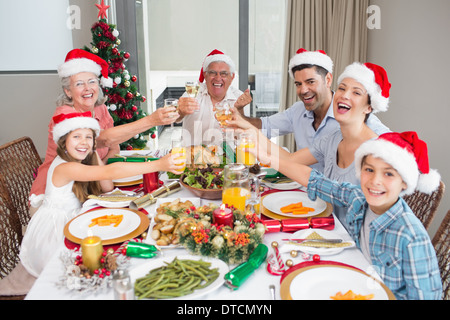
[{"x": 260, "y": 285}]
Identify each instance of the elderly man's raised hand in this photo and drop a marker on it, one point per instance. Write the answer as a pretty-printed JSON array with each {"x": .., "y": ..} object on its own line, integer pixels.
[
  {"x": 187, "y": 106},
  {"x": 243, "y": 100}
]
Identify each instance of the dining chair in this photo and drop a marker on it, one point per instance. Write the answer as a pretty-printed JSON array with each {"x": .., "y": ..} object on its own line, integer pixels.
[
  {"x": 425, "y": 206},
  {"x": 441, "y": 243},
  {"x": 10, "y": 237},
  {"x": 10, "y": 231},
  {"x": 19, "y": 161}
]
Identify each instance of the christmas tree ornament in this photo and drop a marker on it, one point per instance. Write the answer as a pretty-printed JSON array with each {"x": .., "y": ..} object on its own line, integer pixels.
[{"x": 102, "y": 10}]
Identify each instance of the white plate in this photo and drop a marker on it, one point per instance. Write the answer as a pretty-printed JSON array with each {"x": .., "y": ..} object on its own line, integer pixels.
[
  {"x": 152, "y": 213},
  {"x": 79, "y": 227},
  {"x": 303, "y": 234},
  {"x": 322, "y": 282},
  {"x": 277, "y": 200},
  {"x": 145, "y": 268},
  {"x": 129, "y": 179}
]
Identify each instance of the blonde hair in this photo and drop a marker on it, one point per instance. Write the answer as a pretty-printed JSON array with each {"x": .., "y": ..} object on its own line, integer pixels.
[{"x": 81, "y": 189}]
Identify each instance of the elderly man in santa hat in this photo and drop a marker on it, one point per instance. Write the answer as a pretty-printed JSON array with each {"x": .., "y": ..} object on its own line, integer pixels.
[{"x": 197, "y": 114}]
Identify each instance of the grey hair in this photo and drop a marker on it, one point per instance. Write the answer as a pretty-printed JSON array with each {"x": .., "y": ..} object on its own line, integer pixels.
[{"x": 64, "y": 100}]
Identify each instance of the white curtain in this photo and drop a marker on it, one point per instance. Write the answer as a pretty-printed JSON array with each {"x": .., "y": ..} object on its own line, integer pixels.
[{"x": 336, "y": 26}]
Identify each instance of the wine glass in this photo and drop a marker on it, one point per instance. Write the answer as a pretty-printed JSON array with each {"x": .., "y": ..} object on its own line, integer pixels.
[
  {"x": 192, "y": 90},
  {"x": 223, "y": 114},
  {"x": 171, "y": 102}
]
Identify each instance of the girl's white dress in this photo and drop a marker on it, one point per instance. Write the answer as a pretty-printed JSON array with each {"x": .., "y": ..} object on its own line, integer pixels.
[{"x": 45, "y": 232}]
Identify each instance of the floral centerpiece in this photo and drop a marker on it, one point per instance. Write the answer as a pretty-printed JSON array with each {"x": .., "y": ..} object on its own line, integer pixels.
[{"x": 232, "y": 244}]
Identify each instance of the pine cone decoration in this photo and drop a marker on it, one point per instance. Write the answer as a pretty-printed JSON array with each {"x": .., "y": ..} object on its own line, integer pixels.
[{"x": 111, "y": 262}]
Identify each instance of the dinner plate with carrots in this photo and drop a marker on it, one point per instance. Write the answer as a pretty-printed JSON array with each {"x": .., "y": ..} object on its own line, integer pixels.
[{"x": 293, "y": 204}]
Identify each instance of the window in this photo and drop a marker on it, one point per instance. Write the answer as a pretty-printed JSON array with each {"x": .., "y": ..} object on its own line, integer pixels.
[{"x": 174, "y": 36}]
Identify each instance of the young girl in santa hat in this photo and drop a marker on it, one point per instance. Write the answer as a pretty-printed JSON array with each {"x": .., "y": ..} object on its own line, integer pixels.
[
  {"x": 75, "y": 173},
  {"x": 383, "y": 226}
]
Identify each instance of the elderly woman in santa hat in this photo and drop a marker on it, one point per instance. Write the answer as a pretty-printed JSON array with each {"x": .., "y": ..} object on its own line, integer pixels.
[
  {"x": 81, "y": 93},
  {"x": 197, "y": 114}
]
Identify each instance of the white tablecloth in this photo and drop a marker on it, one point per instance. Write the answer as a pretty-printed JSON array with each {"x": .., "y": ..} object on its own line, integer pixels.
[{"x": 256, "y": 287}]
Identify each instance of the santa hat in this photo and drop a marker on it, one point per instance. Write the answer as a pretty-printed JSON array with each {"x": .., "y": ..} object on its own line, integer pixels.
[
  {"x": 216, "y": 56},
  {"x": 78, "y": 60},
  {"x": 407, "y": 154},
  {"x": 65, "y": 123},
  {"x": 317, "y": 58},
  {"x": 374, "y": 78}
]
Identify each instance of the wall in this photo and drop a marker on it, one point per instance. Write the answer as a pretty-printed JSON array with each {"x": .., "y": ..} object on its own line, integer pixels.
[
  {"x": 413, "y": 45},
  {"x": 28, "y": 100}
]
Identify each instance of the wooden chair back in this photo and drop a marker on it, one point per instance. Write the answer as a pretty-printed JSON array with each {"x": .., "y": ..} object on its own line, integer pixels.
[
  {"x": 441, "y": 243},
  {"x": 425, "y": 205},
  {"x": 19, "y": 161}
]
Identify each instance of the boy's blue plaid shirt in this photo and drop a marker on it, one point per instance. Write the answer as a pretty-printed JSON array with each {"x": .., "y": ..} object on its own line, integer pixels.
[{"x": 400, "y": 247}]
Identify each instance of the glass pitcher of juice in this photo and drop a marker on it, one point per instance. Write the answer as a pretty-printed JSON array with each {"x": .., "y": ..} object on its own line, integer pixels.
[
  {"x": 237, "y": 188},
  {"x": 236, "y": 185}
]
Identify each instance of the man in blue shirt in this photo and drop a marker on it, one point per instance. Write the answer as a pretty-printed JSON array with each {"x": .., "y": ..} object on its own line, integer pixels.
[{"x": 312, "y": 117}]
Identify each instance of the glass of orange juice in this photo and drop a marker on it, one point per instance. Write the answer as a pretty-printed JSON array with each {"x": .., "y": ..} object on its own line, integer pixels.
[
  {"x": 246, "y": 140},
  {"x": 178, "y": 148}
]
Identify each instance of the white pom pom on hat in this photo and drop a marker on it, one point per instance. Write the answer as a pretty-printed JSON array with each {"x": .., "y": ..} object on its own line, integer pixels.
[{"x": 407, "y": 154}]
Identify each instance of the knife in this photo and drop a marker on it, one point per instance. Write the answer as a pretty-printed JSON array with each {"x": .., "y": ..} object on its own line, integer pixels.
[
  {"x": 314, "y": 240},
  {"x": 277, "y": 180}
]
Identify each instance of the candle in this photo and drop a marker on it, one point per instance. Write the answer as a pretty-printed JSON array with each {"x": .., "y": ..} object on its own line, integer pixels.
[
  {"x": 223, "y": 216},
  {"x": 91, "y": 252}
]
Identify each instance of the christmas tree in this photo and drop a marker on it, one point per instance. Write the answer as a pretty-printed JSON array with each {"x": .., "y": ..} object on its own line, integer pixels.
[{"x": 123, "y": 98}]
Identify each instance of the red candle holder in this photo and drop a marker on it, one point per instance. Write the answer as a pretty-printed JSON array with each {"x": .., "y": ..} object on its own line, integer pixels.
[
  {"x": 150, "y": 182},
  {"x": 223, "y": 216}
]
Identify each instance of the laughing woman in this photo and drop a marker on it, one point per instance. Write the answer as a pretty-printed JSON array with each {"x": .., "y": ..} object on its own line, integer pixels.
[{"x": 362, "y": 89}]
